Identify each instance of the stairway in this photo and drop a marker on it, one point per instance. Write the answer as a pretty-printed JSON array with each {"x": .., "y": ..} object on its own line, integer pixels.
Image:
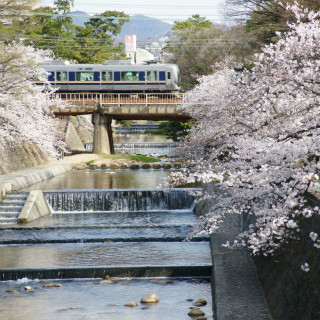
[{"x": 11, "y": 206}]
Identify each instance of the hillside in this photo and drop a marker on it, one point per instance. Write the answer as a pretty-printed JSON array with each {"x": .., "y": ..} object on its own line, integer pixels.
[{"x": 145, "y": 27}]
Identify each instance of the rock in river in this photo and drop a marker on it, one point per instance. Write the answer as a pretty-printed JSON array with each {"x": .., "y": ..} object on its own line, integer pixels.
[{"x": 150, "y": 298}]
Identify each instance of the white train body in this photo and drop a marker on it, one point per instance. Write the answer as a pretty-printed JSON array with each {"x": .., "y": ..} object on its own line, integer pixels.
[{"x": 113, "y": 78}]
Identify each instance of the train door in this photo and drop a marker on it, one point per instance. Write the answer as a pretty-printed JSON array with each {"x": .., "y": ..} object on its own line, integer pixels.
[
  {"x": 162, "y": 80},
  {"x": 62, "y": 80},
  {"x": 107, "y": 81},
  {"x": 142, "y": 80},
  {"x": 52, "y": 78},
  {"x": 153, "y": 80}
]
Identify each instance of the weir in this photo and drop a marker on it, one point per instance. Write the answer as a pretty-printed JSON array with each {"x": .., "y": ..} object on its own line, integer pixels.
[
  {"x": 122, "y": 200},
  {"x": 137, "y": 235}
]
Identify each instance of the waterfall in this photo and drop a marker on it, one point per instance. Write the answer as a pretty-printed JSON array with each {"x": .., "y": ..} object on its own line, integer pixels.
[
  {"x": 122, "y": 200},
  {"x": 136, "y": 129}
]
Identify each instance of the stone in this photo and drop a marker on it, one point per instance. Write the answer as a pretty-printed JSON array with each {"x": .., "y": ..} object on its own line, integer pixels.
[
  {"x": 93, "y": 166},
  {"x": 196, "y": 312},
  {"x": 114, "y": 166},
  {"x": 157, "y": 165},
  {"x": 200, "y": 303},
  {"x": 80, "y": 166},
  {"x": 131, "y": 304},
  {"x": 124, "y": 166},
  {"x": 150, "y": 298},
  {"x": 53, "y": 285},
  {"x": 177, "y": 165},
  {"x": 167, "y": 165},
  {"x": 28, "y": 288},
  {"x": 116, "y": 279},
  {"x": 103, "y": 166},
  {"x": 190, "y": 164},
  {"x": 105, "y": 282},
  {"x": 201, "y": 318},
  {"x": 134, "y": 166},
  {"x": 12, "y": 291},
  {"x": 189, "y": 300},
  {"x": 146, "y": 166}
]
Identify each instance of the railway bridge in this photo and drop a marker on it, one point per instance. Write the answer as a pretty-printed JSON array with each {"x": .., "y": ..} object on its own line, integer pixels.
[{"x": 120, "y": 106}]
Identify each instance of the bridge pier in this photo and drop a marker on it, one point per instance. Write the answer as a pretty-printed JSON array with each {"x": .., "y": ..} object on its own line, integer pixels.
[{"x": 102, "y": 138}]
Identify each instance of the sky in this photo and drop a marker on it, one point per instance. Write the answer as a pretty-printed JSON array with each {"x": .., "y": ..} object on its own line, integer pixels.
[{"x": 166, "y": 10}]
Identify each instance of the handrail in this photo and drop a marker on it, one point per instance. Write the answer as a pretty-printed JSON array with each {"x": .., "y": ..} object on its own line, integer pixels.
[{"x": 123, "y": 98}]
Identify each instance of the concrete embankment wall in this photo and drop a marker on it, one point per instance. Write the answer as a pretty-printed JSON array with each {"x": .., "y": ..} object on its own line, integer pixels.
[
  {"x": 237, "y": 293},
  {"x": 19, "y": 157}
]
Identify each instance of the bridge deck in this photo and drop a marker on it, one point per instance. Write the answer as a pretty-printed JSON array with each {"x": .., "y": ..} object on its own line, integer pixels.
[{"x": 138, "y": 106}]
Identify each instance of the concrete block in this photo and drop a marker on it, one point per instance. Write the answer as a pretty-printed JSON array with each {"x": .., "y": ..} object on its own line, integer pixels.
[
  {"x": 5, "y": 187},
  {"x": 35, "y": 207}
]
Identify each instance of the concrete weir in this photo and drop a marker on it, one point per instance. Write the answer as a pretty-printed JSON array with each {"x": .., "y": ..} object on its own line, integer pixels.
[
  {"x": 236, "y": 291},
  {"x": 103, "y": 271}
]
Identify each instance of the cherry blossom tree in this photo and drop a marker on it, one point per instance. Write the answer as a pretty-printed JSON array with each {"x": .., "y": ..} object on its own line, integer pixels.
[
  {"x": 259, "y": 129},
  {"x": 25, "y": 115}
]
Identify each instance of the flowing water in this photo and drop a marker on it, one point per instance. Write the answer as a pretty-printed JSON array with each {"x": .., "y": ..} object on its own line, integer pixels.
[
  {"x": 124, "y": 231},
  {"x": 89, "y": 300}
]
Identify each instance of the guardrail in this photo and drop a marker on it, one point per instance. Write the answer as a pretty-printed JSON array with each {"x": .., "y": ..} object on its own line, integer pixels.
[{"x": 123, "y": 98}]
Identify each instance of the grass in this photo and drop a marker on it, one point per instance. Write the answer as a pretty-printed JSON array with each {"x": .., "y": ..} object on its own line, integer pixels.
[
  {"x": 160, "y": 132},
  {"x": 89, "y": 162}
]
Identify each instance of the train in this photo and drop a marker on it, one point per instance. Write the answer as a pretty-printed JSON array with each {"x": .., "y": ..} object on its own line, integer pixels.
[{"x": 112, "y": 78}]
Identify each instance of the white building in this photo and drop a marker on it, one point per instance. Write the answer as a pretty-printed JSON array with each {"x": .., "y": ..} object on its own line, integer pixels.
[{"x": 136, "y": 55}]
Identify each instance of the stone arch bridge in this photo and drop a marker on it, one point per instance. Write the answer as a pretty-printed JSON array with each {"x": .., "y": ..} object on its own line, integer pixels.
[{"x": 120, "y": 106}]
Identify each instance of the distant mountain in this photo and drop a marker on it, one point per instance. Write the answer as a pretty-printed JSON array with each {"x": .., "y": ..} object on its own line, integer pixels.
[
  {"x": 142, "y": 26},
  {"x": 145, "y": 27},
  {"x": 79, "y": 18}
]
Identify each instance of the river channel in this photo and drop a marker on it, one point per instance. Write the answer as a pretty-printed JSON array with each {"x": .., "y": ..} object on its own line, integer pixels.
[{"x": 141, "y": 230}]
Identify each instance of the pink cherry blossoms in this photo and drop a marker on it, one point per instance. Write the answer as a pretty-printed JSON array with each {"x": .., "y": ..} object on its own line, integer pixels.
[
  {"x": 260, "y": 129},
  {"x": 25, "y": 114}
]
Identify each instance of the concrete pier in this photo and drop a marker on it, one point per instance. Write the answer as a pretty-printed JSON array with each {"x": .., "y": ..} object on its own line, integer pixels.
[{"x": 102, "y": 139}]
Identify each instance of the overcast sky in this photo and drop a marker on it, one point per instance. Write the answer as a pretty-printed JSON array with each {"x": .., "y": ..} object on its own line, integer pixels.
[{"x": 166, "y": 10}]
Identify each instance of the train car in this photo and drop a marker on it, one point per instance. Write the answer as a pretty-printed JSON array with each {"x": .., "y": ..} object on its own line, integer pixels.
[{"x": 113, "y": 78}]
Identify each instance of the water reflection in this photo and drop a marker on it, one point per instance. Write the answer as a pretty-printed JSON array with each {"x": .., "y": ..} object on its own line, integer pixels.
[
  {"x": 103, "y": 179},
  {"x": 105, "y": 254}
]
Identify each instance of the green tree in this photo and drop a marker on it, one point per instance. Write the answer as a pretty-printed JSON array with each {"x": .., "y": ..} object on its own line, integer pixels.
[
  {"x": 195, "y": 22},
  {"x": 95, "y": 42},
  {"x": 198, "y": 44},
  {"x": 10, "y": 11},
  {"x": 53, "y": 28},
  {"x": 263, "y": 18}
]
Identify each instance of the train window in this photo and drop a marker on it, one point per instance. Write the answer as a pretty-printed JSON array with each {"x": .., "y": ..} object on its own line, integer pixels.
[
  {"x": 168, "y": 75},
  {"x": 84, "y": 76},
  {"x": 106, "y": 75},
  {"x": 130, "y": 76},
  {"x": 62, "y": 76},
  {"x": 152, "y": 75}
]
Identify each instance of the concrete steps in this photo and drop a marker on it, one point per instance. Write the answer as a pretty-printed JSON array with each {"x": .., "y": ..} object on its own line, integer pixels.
[{"x": 11, "y": 206}]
